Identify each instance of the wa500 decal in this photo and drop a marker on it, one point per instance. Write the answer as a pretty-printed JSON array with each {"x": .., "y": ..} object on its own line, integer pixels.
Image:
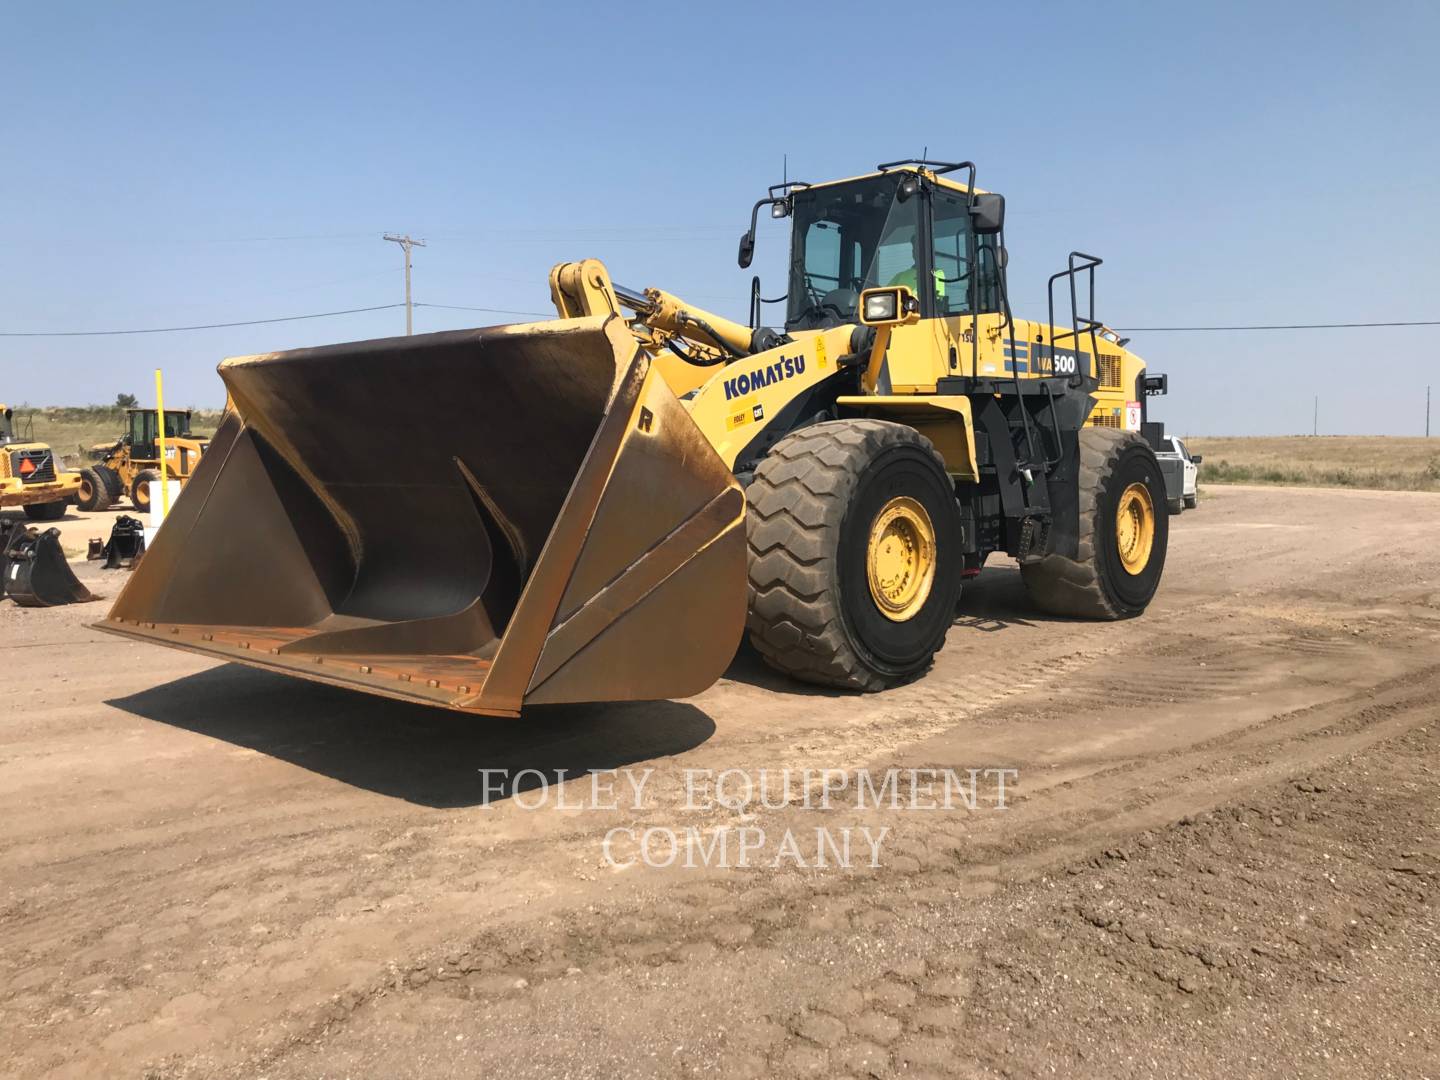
[{"x": 1036, "y": 359}]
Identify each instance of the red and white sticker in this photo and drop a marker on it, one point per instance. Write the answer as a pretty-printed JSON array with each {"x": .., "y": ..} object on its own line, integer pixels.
[{"x": 1132, "y": 416}]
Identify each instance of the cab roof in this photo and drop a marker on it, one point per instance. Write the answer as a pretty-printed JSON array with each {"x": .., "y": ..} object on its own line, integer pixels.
[{"x": 936, "y": 171}]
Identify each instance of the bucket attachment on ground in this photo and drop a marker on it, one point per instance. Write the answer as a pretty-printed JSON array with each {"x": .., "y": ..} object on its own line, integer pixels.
[
  {"x": 475, "y": 519},
  {"x": 8, "y": 532},
  {"x": 36, "y": 571},
  {"x": 126, "y": 544}
]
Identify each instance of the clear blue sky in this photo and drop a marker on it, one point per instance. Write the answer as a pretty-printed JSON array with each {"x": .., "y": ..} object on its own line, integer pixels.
[{"x": 188, "y": 163}]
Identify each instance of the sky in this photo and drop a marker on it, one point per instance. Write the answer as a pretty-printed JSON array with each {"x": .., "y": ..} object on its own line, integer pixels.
[{"x": 1233, "y": 163}]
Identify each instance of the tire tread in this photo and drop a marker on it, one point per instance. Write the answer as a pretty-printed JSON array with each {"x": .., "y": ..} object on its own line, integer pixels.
[{"x": 797, "y": 504}]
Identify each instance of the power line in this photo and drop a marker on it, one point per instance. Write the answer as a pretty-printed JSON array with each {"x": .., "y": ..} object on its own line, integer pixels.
[
  {"x": 545, "y": 314},
  {"x": 203, "y": 326},
  {"x": 491, "y": 310},
  {"x": 1286, "y": 326}
]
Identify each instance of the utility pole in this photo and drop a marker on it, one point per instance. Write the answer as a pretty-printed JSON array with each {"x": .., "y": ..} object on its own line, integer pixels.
[
  {"x": 1315, "y": 428},
  {"x": 1427, "y": 412},
  {"x": 407, "y": 243}
]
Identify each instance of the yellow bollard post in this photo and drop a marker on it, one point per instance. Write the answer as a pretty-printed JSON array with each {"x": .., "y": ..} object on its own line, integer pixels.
[{"x": 164, "y": 472}]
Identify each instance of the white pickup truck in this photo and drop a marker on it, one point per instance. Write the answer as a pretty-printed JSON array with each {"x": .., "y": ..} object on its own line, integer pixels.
[{"x": 1181, "y": 475}]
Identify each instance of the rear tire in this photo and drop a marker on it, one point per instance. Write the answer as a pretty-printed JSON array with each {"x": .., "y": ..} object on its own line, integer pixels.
[
  {"x": 51, "y": 511},
  {"x": 849, "y": 520},
  {"x": 94, "y": 491},
  {"x": 1097, "y": 584},
  {"x": 1175, "y": 506},
  {"x": 140, "y": 489}
]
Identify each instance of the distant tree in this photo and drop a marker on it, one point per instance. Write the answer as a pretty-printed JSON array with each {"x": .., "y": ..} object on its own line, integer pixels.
[{"x": 126, "y": 401}]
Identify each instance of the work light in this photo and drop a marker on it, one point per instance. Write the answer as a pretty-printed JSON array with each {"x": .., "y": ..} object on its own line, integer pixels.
[{"x": 881, "y": 306}]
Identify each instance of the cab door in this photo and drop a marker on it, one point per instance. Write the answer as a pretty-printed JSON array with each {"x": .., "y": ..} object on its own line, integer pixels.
[
  {"x": 142, "y": 435},
  {"x": 967, "y": 298}
]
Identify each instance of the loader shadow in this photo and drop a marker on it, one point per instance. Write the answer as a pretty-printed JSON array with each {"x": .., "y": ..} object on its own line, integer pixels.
[
  {"x": 996, "y": 600},
  {"x": 427, "y": 756}
]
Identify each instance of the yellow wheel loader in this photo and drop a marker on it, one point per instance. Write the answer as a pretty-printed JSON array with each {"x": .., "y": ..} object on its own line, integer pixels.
[
  {"x": 126, "y": 466},
  {"x": 596, "y": 507},
  {"x": 31, "y": 476}
]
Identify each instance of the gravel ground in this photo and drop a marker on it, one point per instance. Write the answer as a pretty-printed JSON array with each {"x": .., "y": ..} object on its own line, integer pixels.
[{"x": 1217, "y": 854}]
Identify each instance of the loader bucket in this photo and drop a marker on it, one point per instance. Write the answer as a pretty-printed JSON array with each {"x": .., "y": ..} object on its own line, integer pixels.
[
  {"x": 36, "y": 572},
  {"x": 475, "y": 519}
]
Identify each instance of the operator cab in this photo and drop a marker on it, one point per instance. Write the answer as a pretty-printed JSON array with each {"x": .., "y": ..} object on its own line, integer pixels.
[
  {"x": 144, "y": 431},
  {"x": 906, "y": 225},
  {"x": 7, "y": 424}
]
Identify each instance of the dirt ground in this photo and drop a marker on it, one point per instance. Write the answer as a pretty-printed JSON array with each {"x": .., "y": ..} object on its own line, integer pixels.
[{"x": 1219, "y": 852}]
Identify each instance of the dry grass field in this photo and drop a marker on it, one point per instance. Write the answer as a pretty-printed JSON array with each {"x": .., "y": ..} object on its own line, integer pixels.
[
  {"x": 1354, "y": 461},
  {"x": 67, "y": 429}
]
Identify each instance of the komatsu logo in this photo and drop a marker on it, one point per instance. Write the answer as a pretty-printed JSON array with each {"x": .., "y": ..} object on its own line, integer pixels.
[{"x": 784, "y": 368}]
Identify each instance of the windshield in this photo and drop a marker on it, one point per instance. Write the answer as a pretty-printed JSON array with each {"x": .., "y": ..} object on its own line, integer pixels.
[
  {"x": 847, "y": 238},
  {"x": 6, "y": 431}
]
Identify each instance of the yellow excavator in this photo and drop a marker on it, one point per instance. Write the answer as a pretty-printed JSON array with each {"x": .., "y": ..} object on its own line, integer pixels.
[{"x": 596, "y": 507}]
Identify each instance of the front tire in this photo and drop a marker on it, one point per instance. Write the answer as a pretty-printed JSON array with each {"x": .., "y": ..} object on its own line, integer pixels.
[
  {"x": 1192, "y": 501},
  {"x": 94, "y": 491},
  {"x": 855, "y": 560},
  {"x": 1122, "y": 538},
  {"x": 112, "y": 480}
]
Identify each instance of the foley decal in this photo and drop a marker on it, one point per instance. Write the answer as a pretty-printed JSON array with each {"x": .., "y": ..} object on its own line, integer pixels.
[
  {"x": 748, "y": 382},
  {"x": 744, "y": 416}
]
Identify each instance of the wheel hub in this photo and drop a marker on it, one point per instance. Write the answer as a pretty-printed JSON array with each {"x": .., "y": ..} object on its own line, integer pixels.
[
  {"x": 1135, "y": 528},
  {"x": 900, "y": 558}
]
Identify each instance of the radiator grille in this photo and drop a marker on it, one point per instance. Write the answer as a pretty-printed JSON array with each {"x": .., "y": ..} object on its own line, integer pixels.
[
  {"x": 33, "y": 466},
  {"x": 1106, "y": 419},
  {"x": 1110, "y": 370}
]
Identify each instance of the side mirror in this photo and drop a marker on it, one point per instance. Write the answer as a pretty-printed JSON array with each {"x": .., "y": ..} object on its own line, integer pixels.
[
  {"x": 1196, "y": 459},
  {"x": 987, "y": 214},
  {"x": 747, "y": 248},
  {"x": 1155, "y": 385}
]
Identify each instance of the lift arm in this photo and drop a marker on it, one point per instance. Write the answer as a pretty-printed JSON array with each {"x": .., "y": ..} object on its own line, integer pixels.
[{"x": 579, "y": 289}]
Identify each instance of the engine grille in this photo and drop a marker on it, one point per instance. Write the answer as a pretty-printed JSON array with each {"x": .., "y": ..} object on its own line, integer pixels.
[
  {"x": 1110, "y": 370},
  {"x": 1106, "y": 419},
  {"x": 33, "y": 466}
]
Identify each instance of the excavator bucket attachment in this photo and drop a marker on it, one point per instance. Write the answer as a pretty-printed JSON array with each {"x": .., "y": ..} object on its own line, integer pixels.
[
  {"x": 37, "y": 573},
  {"x": 475, "y": 519}
]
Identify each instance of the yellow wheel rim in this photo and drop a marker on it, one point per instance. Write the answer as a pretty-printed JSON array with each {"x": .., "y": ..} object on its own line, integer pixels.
[
  {"x": 87, "y": 490},
  {"x": 900, "y": 558},
  {"x": 1135, "y": 528}
]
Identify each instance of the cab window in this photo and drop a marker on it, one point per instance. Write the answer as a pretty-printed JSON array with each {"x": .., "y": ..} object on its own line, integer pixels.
[{"x": 847, "y": 238}]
